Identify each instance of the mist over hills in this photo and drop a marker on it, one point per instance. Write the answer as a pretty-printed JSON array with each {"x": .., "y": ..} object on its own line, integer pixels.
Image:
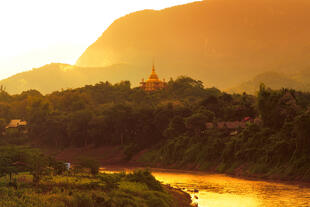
[
  {"x": 57, "y": 76},
  {"x": 298, "y": 81},
  {"x": 221, "y": 42}
]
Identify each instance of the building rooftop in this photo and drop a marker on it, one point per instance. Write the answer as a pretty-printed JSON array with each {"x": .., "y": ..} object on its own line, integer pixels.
[{"x": 16, "y": 123}]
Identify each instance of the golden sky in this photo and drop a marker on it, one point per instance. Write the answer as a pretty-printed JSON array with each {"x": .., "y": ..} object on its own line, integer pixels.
[{"x": 37, "y": 32}]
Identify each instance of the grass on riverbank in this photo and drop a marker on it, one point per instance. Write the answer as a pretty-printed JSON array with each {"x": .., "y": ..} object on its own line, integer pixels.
[{"x": 137, "y": 189}]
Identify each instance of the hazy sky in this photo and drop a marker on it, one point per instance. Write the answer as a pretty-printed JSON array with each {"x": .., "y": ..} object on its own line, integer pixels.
[{"x": 37, "y": 32}]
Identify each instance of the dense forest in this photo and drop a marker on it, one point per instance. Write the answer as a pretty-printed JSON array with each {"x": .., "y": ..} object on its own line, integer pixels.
[
  {"x": 171, "y": 124},
  {"x": 106, "y": 114}
]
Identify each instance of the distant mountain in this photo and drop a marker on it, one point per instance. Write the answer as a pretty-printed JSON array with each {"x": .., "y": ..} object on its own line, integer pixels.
[
  {"x": 298, "y": 81},
  {"x": 221, "y": 42},
  {"x": 57, "y": 76}
]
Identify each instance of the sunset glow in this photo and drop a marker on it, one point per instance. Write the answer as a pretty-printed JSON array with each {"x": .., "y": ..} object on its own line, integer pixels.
[
  {"x": 34, "y": 32},
  {"x": 144, "y": 103}
]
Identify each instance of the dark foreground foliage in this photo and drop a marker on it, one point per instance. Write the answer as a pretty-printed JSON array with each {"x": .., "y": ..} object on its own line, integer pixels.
[
  {"x": 83, "y": 190},
  {"x": 31, "y": 179}
]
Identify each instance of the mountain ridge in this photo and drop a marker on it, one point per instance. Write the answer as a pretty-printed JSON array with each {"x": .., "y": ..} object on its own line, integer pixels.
[
  {"x": 299, "y": 80},
  {"x": 220, "y": 42},
  {"x": 212, "y": 39},
  {"x": 58, "y": 76}
]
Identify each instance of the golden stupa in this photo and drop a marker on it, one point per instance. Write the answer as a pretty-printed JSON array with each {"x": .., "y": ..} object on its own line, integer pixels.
[{"x": 153, "y": 83}]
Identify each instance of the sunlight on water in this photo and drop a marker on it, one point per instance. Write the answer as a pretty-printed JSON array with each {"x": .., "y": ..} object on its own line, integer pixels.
[{"x": 223, "y": 191}]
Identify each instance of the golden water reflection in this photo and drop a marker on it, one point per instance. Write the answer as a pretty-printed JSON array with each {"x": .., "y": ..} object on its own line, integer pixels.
[{"x": 217, "y": 190}]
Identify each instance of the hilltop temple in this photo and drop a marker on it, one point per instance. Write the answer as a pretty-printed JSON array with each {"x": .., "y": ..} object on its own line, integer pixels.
[{"x": 153, "y": 83}]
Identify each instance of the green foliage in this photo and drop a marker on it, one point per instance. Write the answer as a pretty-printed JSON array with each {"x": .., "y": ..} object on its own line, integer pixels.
[
  {"x": 2, "y": 126},
  {"x": 82, "y": 200},
  {"x": 170, "y": 122},
  {"x": 130, "y": 151},
  {"x": 276, "y": 107},
  {"x": 91, "y": 164},
  {"x": 196, "y": 122},
  {"x": 13, "y": 160},
  {"x": 82, "y": 191},
  {"x": 280, "y": 146},
  {"x": 176, "y": 127},
  {"x": 145, "y": 176},
  {"x": 107, "y": 114},
  {"x": 19, "y": 159},
  {"x": 59, "y": 167},
  {"x": 301, "y": 126},
  {"x": 111, "y": 182}
]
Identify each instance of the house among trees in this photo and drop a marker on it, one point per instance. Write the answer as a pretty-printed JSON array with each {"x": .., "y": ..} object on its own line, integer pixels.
[
  {"x": 17, "y": 125},
  {"x": 233, "y": 125},
  {"x": 153, "y": 83}
]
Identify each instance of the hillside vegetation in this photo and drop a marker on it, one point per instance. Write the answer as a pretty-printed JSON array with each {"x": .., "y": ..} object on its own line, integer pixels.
[{"x": 276, "y": 148}]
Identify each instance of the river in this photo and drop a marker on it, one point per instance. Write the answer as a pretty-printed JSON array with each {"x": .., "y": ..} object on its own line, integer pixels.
[{"x": 217, "y": 190}]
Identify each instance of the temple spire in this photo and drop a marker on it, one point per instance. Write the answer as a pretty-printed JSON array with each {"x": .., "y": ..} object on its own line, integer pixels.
[
  {"x": 153, "y": 68},
  {"x": 153, "y": 82}
]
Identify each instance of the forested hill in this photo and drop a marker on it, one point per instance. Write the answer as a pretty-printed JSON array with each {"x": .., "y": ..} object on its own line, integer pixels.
[
  {"x": 118, "y": 114},
  {"x": 221, "y": 42},
  {"x": 170, "y": 125}
]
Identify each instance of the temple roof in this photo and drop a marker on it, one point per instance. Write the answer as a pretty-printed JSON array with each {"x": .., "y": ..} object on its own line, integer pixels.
[
  {"x": 153, "y": 77},
  {"x": 16, "y": 123}
]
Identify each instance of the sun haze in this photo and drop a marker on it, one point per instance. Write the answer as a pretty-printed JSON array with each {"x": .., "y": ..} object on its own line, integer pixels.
[{"x": 36, "y": 32}]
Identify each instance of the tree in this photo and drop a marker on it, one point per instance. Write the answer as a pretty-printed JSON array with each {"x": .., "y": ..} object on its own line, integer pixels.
[
  {"x": 196, "y": 122},
  {"x": 2, "y": 126},
  {"x": 37, "y": 164},
  {"x": 276, "y": 107},
  {"x": 185, "y": 86},
  {"x": 6, "y": 166},
  {"x": 120, "y": 117},
  {"x": 89, "y": 163},
  {"x": 38, "y": 110},
  {"x": 212, "y": 104},
  {"x": 5, "y": 111},
  {"x": 78, "y": 127},
  {"x": 13, "y": 160},
  {"x": 302, "y": 130},
  {"x": 176, "y": 127}
]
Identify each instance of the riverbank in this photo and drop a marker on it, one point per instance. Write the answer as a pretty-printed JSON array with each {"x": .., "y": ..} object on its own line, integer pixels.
[
  {"x": 209, "y": 189},
  {"x": 138, "y": 188},
  {"x": 114, "y": 156},
  {"x": 131, "y": 167},
  {"x": 238, "y": 173},
  {"x": 181, "y": 198}
]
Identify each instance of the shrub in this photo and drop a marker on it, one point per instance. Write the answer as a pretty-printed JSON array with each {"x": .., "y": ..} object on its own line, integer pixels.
[
  {"x": 130, "y": 150},
  {"x": 82, "y": 200},
  {"x": 111, "y": 181},
  {"x": 145, "y": 176},
  {"x": 91, "y": 164}
]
